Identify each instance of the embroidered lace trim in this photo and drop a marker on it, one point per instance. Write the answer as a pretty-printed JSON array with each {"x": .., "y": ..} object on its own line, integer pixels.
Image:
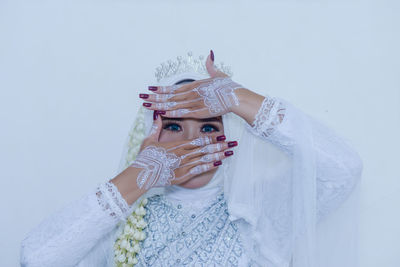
[
  {"x": 111, "y": 200},
  {"x": 270, "y": 114}
]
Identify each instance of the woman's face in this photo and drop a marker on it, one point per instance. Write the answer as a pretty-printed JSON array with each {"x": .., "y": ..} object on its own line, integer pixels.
[{"x": 177, "y": 129}]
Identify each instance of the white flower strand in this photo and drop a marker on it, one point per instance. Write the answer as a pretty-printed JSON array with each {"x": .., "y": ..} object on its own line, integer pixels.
[{"x": 127, "y": 245}]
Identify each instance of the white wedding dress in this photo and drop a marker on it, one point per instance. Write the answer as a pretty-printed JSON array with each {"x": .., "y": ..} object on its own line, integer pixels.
[{"x": 185, "y": 227}]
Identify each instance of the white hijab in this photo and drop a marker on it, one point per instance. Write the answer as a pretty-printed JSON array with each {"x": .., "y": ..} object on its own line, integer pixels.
[{"x": 270, "y": 193}]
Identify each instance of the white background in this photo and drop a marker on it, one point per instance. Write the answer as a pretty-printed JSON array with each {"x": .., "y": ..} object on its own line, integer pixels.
[{"x": 70, "y": 73}]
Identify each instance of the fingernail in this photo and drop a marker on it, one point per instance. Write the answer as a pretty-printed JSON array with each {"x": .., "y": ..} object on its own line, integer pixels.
[
  {"x": 228, "y": 153},
  {"x": 153, "y": 88},
  {"x": 147, "y": 104},
  {"x": 217, "y": 163},
  {"x": 221, "y": 138},
  {"x": 143, "y": 95},
  {"x": 212, "y": 55},
  {"x": 232, "y": 144},
  {"x": 155, "y": 115},
  {"x": 162, "y": 112}
]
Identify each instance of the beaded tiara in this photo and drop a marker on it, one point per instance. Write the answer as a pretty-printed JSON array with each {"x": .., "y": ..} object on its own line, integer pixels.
[{"x": 187, "y": 63}]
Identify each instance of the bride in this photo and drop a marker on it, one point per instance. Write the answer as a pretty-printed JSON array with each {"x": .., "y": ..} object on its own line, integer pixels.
[{"x": 213, "y": 174}]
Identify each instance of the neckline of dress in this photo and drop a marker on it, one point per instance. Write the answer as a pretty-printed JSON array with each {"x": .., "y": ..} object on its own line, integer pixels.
[{"x": 199, "y": 197}]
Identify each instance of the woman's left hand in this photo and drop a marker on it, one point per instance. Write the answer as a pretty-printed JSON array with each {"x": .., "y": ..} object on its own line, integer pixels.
[{"x": 205, "y": 98}]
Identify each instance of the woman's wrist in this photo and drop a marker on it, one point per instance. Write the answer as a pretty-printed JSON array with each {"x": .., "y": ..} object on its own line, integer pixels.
[
  {"x": 249, "y": 104},
  {"x": 127, "y": 185}
]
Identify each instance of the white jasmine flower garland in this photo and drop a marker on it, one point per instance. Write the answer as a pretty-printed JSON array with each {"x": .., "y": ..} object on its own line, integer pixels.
[{"x": 127, "y": 246}]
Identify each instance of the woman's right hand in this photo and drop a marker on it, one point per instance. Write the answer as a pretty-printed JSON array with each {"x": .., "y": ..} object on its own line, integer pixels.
[{"x": 163, "y": 164}]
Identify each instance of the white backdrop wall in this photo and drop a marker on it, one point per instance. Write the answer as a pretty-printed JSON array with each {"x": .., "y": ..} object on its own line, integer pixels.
[{"x": 70, "y": 73}]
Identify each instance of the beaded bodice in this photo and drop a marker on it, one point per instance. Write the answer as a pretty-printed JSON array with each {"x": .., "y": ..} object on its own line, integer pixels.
[{"x": 179, "y": 236}]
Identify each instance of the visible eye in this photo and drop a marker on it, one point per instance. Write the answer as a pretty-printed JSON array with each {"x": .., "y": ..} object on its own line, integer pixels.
[
  {"x": 209, "y": 128},
  {"x": 173, "y": 127}
]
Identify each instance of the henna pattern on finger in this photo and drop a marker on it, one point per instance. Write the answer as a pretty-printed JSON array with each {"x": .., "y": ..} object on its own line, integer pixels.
[
  {"x": 170, "y": 88},
  {"x": 195, "y": 170},
  {"x": 206, "y": 158},
  {"x": 153, "y": 129},
  {"x": 212, "y": 148},
  {"x": 184, "y": 111},
  {"x": 165, "y": 106},
  {"x": 163, "y": 97},
  {"x": 200, "y": 141},
  {"x": 169, "y": 105}
]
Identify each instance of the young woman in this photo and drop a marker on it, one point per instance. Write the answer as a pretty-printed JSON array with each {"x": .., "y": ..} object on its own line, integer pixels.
[{"x": 185, "y": 198}]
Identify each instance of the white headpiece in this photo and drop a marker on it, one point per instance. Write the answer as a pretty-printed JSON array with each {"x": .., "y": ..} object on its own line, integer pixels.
[{"x": 271, "y": 194}]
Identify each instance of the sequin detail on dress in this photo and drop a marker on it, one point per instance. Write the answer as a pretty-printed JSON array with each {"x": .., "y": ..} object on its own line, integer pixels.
[{"x": 179, "y": 237}]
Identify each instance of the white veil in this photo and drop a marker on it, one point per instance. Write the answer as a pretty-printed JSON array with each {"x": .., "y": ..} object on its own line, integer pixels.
[{"x": 272, "y": 193}]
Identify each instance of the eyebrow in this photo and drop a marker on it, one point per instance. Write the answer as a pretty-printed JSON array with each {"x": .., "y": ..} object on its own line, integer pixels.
[{"x": 217, "y": 119}]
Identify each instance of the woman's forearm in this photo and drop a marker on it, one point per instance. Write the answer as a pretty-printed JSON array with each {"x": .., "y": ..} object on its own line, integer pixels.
[
  {"x": 127, "y": 186},
  {"x": 250, "y": 103}
]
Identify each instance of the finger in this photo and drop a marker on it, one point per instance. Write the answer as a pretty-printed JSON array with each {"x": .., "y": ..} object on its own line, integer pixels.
[
  {"x": 177, "y": 88},
  {"x": 211, "y": 69},
  {"x": 193, "y": 104},
  {"x": 155, "y": 129},
  {"x": 169, "y": 89},
  {"x": 208, "y": 149},
  {"x": 207, "y": 158},
  {"x": 187, "y": 104},
  {"x": 200, "y": 113},
  {"x": 188, "y": 144},
  {"x": 196, "y": 170},
  {"x": 195, "y": 143},
  {"x": 191, "y": 144},
  {"x": 189, "y": 95}
]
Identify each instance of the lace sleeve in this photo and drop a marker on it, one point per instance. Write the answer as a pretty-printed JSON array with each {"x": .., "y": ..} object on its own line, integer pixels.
[
  {"x": 339, "y": 166},
  {"x": 111, "y": 201},
  {"x": 67, "y": 236},
  {"x": 269, "y": 117}
]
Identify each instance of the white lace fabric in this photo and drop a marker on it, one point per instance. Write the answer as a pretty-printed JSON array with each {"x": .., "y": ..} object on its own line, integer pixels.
[
  {"x": 67, "y": 236},
  {"x": 338, "y": 164},
  {"x": 270, "y": 114}
]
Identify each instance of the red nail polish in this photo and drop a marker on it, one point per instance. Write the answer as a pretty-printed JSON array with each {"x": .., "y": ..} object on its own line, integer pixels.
[
  {"x": 228, "y": 153},
  {"x": 221, "y": 138},
  {"x": 147, "y": 104},
  {"x": 143, "y": 95},
  {"x": 155, "y": 115},
  {"x": 162, "y": 112},
  {"x": 212, "y": 55},
  {"x": 217, "y": 163},
  {"x": 232, "y": 144},
  {"x": 153, "y": 88}
]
